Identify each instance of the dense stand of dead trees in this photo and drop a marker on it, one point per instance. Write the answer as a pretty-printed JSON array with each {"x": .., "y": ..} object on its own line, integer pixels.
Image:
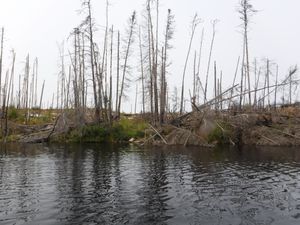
[{"x": 97, "y": 76}]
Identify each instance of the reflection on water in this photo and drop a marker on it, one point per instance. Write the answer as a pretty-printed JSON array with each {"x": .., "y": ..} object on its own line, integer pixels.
[{"x": 94, "y": 184}]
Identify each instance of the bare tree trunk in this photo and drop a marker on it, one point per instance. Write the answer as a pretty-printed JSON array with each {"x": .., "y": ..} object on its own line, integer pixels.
[
  {"x": 247, "y": 64},
  {"x": 83, "y": 74},
  {"x": 221, "y": 91},
  {"x": 256, "y": 88},
  {"x": 242, "y": 77},
  {"x": 27, "y": 71},
  {"x": 200, "y": 52},
  {"x": 268, "y": 82},
  {"x": 290, "y": 90},
  {"x": 209, "y": 59},
  {"x": 264, "y": 91},
  {"x": 195, "y": 22},
  {"x": 19, "y": 93},
  {"x": 155, "y": 64},
  {"x": 234, "y": 79},
  {"x": 110, "y": 77},
  {"x": 9, "y": 93},
  {"x": 1, "y": 59},
  {"x": 246, "y": 10},
  {"x": 150, "y": 41},
  {"x": 136, "y": 97},
  {"x": 92, "y": 52},
  {"x": 4, "y": 92},
  {"x": 142, "y": 71},
  {"x": 118, "y": 73},
  {"x": 194, "y": 78},
  {"x": 215, "y": 84},
  {"x": 276, "y": 83},
  {"x": 36, "y": 81},
  {"x": 131, "y": 29},
  {"x": 162, "y": 89},
  {"x": 42, "y": 93}
]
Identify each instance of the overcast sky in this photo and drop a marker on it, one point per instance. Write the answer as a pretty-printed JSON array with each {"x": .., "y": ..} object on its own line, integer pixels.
[{"x": 36, "y": 26}]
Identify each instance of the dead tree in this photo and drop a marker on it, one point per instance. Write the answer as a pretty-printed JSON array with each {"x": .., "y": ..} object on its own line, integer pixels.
[
  {"x": 142, "y": 71},
  {"x": 195, "y": 23},
  {"x": 1, "y": 59},
  {"x": 163, "y": 90},
  {"x": 118, "y": 73},
  {"x": 110, "y": 77},
  {"x": 246, "y": 10},
  {"x": 209, "y": 58},
  {"x": 155, "y": 66},
  {"x": 276, "y": 83},
  {"x": 8, "y": 93},
  {"x": 132, "y": 23},
  {"x": 200, "y": 57},
  {"x": 89, "y": 22},
  {"x": 42, "y": 93}
]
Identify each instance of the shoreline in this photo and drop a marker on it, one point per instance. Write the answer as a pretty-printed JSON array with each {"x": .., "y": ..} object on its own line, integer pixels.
[{"x": 207, "y": 128}]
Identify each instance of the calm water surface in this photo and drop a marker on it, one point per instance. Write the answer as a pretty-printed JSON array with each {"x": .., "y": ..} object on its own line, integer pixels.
[{"x": 95, "y": 184}]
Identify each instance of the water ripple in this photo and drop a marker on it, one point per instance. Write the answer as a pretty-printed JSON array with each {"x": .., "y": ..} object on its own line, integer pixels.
[{"x": 112, "y": 185}]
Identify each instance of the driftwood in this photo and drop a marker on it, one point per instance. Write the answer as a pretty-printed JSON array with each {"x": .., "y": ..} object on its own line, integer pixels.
[
  {"x": 150, "y": 138},
  {"x": 187, "y": 139},
  {"x": 291, "y": 135},
  {"x": 54, "y": 126},
  {"x": 268, "y": 139},
  {"x": 164, "y": 140},
  {"x": 213, "y": 101}
]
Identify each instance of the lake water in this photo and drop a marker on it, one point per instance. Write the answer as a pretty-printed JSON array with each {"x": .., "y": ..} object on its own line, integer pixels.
[{"x": 97, "y": 184}]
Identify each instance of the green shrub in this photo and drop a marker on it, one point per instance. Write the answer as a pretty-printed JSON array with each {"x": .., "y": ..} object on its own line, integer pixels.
[
  {"x": 13, "y": 113},
  {"x": 120, "y": 131},
  {"x": 219, "y": 135}
]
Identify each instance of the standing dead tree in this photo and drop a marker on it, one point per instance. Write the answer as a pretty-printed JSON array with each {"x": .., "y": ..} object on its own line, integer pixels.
[
  {"x": 1, "y": 59},
  {"x": 90, "y": 35},
  {"x": 8, "y": 94},
  {"x": 195, "y": 23},
  {"x": 209, "y": 58},
  {"x": 142, "y": 71},
  {"x": 132, "y": 23},
  {"x": 163, "y": 90},
  {"x": 246, "y": 10}
]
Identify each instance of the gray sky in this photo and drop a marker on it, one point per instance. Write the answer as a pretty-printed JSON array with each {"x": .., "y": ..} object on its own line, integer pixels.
[{"x": 36, "y": 26}]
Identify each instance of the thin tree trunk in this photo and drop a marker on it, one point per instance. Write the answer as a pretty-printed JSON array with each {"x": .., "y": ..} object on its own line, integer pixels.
[
  {"x": 209, "y": 60},
  {"x": 194, "y": 26},
  {"x": 234, "y": 79},
  {"x": 92, "y": 52},
  {"x": 268, "y": 81},
  {"x": 215, "y": 84},
  {"x": 142, "y": 71},
  {"x": 276, "y": 82},
  {"x": 110, "y": 76},
  {"x": 42, "y": 93},
  {"x": 132, "y": 23},
  {"x": 118, "y": 73},
  {"x": 1, "y": 59}
]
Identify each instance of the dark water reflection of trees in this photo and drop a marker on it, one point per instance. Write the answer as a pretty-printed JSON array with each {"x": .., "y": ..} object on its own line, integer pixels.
[{"x": 105, "y": 184}]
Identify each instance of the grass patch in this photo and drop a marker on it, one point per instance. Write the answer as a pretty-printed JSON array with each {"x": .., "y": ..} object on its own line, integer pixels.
[
  {"x": 121, "y": 131},
  {"x": 37, "y": 116},
  {"x": 221, "y": 135}
]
